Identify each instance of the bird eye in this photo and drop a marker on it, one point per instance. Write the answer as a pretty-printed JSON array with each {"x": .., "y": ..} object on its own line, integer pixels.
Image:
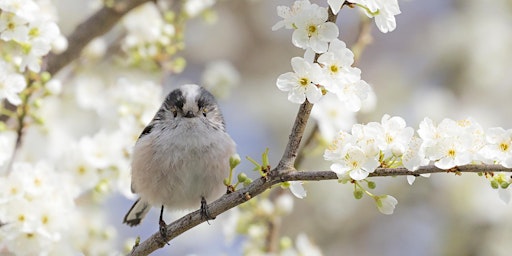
[{"x": 174, "y": 112}]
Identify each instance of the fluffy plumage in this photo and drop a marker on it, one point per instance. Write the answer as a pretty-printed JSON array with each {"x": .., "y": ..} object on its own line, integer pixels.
[{"x": 182, "y": 155}]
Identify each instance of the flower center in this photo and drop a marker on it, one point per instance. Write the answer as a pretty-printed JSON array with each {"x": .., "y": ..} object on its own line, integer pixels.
[
  {"x": 11, "y": 26},
  {"x": 504, "y": 146},
  {"x": 389, "y": 139},
  {"x": 334, "y": 68},
  {"x": 451, "y": 152},
  {"x": 304, "y": 81},
  {"x": 311, "y": 30}
]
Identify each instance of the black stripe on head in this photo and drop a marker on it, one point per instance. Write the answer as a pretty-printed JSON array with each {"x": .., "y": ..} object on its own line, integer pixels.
[
  {"x": 205, "y": 99},
  {"x": 174, "y": 98}
]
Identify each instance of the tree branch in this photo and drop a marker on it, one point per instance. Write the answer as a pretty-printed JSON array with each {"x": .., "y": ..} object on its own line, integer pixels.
[
  {"x": 275, "y": 177},
  {"x": 290, "y": 154},
  {"x": 96, "y": 25},
  {"x": 287, "y": 161}
]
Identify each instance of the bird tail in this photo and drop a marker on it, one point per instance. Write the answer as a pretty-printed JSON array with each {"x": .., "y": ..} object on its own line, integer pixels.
[{"x": 136, "y": 213}]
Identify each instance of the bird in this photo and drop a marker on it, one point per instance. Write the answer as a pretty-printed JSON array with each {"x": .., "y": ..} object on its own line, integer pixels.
[{"x": 181, "y": 157}]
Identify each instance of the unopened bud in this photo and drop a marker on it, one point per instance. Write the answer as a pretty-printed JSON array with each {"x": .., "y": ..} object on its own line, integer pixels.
[
  {"x": 371, "y": 185},
  {"x": 358, "y": 194},
  {"x": 242, "y": 177},
  {"x": 234, "y": 160},
  {"x": 495, "y": 184}
]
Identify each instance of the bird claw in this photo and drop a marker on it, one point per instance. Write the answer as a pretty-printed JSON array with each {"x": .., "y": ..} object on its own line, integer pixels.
[
  {"x": 163, "y": 227},
  {"x": 205, "y": 212}
]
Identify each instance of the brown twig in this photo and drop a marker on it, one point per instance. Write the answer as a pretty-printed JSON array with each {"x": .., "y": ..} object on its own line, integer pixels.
[
  {"x": 258, "y": 186},
  {"x": 96, "y": 25}
]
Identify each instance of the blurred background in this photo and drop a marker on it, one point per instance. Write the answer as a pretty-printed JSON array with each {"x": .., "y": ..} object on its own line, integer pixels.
[{"x": 446, "y": 58}]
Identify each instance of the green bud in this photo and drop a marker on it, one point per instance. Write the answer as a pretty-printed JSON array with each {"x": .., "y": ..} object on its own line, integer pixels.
[
  {"x": 495, "y": 184},
  {"x": 234, "y": 160},
  {"x": 37, "y": 103},
  {"x": 226, "y": 182},
  {"x": 504, "y": 185},
  {"x": 358, "y": 194},
  {"x": 247, "y": 182},
  {"x": 45, "y": 77},
  {"x": 179, "y": 64},
  {"x": 285, "y": 185},
  {"x": 242, "y": 177},
  {"x": 285, "y": 243},
  {"x": 169, "y": 16},
  {"x": 371, "y": 185}
]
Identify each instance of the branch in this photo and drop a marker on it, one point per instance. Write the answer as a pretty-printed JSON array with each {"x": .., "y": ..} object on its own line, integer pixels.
[
  {"x": 96, "y": 25},
  {"x": 275, "y": 177},
  {"x": 290, "y": 154}
]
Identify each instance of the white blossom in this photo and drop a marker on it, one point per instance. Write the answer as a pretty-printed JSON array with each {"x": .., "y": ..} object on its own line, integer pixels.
[
  {"x": 42, "y": 35},
  {"x": 144, "y": 24},
  {"x": 331, "y": 116},
  {"x": 13, "y": 27},
  {"x": 386, "y": 204},
  {"x": 336, "y": 66},
  {"x": 351, "y": 160},
  {"x": 312, "y": 29},
  {"x": 11, "y": 84},
  {"x": 384, "y": 12},
  {"x": 284, "y": 203},
  {"x": 195, "y": 7},
  {"x": 499, "y": 146},
  {"x": 451, "y": 143},
  {"x": 7, "y": 139},
  {"x": 220, "y": 77},
  {"x": 25, "y": 9},
  {"x": 395, "y": 136},
  {"x": 290, "y": 14},
  {"x": 353, "y": 94},
  {"x": 306, "y": 247},
  {"x": 301, "y": 83}
]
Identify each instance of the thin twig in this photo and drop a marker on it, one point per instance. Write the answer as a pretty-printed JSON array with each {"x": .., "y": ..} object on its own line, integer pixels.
[
  {"x": 290, "y": 154},
  {"x": 258, "y": 186},
  {"x": 96, "y": 25}
]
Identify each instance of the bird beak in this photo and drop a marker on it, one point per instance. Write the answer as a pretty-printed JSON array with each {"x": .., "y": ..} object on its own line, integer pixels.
[{"x": 189, "y": 114}]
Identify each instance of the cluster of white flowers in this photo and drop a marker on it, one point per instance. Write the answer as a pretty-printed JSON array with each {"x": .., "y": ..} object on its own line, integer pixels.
[
  {"x": 383, "y": 11},
  {"x": 326, "y": 67},
  {"x": 27, "y": 33},
  {"x": 330, "y": 70},
  {"x": 251, "y": 220},
  {"x": 147, "y": 31},
  {"x": 11, "y": 84},
  {"x": 220, "y": 77},
  {"x": 196, "y": 7},
  {"x": 37, "y": 206},
  {"x": 91, "y": 159},
  {"x": 391, "y": 144}
]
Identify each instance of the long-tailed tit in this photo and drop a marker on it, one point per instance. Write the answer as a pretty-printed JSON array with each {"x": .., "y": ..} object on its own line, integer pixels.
[{"x": 181, "y": 157}]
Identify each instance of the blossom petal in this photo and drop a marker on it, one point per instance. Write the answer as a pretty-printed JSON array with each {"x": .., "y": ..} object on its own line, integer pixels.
[
  {"x": 313, "y": 93},
  {"x": 297, "y": 189}
]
